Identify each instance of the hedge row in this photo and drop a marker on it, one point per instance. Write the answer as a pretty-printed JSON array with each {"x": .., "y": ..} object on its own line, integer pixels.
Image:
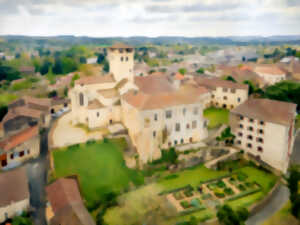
[
  {"x": 176, "y": 189},
  {"x": 243, "y": 194},
  {"x": 218, "y": 178},
  {"x": 189, "y": 211}
]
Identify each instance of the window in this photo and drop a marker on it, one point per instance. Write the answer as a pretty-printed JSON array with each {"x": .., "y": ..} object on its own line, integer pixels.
[
  {"x": 241, "y": 126},
  {"x": 12, "y": 156},
  {"x": 21, "y": 154},
  {"x": 181, "y": 141},
  {"x": 232, "y": 91},
  {"x": 260, "y": 131},
  {"x": 249, "y": 145},
  {"x": 187, "y": 126},
  {"x": 191, "y": 139},
  {"x": 184, "y": 111},
  {"x": 239, "y": 142},
  {"x": 168, "y": 114},
  {"x": 240, "y": 134},
  {"x": 250, "y": 137},
  {"x": 177, "y": 127},
  {"x": 241, "y": 117},
  {"x": 225, "y": 89},
  {"x": 98, "y": 114},
  {"x": 261, "y": 122},
  {"x": 239, "y": 99},
  {"x": 121, "y": 50},
  {"x": 122, "y": 59},
  {"x": 196, "y": 111},
  {"x": 250, "y": 128},
  {"x": 175, "y": 142},
  {"x": 81, "y": 99},
  {"x": 205, "y": 124},
  {"x": 194, "y": 124},
  {"x": 251, "y": 120},
  {"x": 28, "y": 151},
  {"x": 260, "y": 149},
  {"x": 154, "y": 133},
  {"x": 212, "y": 96},
  {"x": 155, "y": 117},
  {"x": 126, "y": 58},
  {"x": 169, "y": 144},
  {"x": 260, "y": 140},
  {"x": 225, "y": 97}
]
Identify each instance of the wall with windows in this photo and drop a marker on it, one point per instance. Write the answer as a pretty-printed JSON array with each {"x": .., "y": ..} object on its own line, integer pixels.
[
  {"x": 228, "y": 97},
  {"x": 267, "y": 141},
  {"x": 271, "y": 79}
]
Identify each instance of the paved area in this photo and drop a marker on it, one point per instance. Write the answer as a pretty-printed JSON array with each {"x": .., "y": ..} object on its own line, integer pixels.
[
  {"x": 64, "y": 133},
  {"x": 212, "y": 163},
  {"x": 276, "y": 203}
]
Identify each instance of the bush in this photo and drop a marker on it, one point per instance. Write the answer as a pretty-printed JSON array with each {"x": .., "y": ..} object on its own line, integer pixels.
[
  {"x": 185, "y": 204},
  {"x": 243, "y": 194},
  {"x": 241, "y": 187},
  {"x": 196, "y": 202},
  {"x": 206, "y": 196},
  {"x": 221, "y": 184},
  {"x": 178, "y": 195},
  {"x": 170, "y": 177},
  {"x": 219, "y": 193},
  {"x": 188, "y": 193},
  {"x": 249, "y": 184},
  {"x": 228, "y": 191},
  {"x": 242, "y": 176}
]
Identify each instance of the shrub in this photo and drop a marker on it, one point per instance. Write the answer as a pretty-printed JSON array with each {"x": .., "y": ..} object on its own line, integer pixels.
[
  {"x": 241, "y": 176},
  {"x": 221, "y": 184},
  {"x": 228, "y": 191},
  {"x": 185, "y": 204},
  {"x": 91, "y": 141},
  {"x": 241, "y": 187},
  {"x": 178, "y": 195},
  {"x": 243, "y": 194},
  {"x": 105, "y": 140},
  {"x": 172, "y": 176},
  {"x": 219, "y": 193},
  {"x": 188, "y": 193},
  {"x": 196, "y": 202},
  {"x": 250, "y": 184},
  {"x": 206, "y": 196}
]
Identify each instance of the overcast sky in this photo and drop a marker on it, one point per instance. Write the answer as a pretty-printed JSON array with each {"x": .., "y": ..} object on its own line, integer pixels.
[{"x": 101, "y": 18}]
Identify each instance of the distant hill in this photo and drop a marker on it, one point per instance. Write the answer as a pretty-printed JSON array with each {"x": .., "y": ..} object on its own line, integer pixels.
[{"x": 141, "y": 40}]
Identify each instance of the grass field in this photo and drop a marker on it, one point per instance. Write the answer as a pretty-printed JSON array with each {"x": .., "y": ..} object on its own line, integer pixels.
[
  {"x": 6, "y": 98},
  {"x": 99, "y": 166},
  {"x": 216, "y": 117},
  {"x": 282, "y": 217}
]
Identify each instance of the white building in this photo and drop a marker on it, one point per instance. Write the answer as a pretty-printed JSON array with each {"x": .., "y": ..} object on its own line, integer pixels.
[
  {"x": 270, "y": 73},
  {"x": 265, "y": 129},
  {"x": 14, "y": 197}
]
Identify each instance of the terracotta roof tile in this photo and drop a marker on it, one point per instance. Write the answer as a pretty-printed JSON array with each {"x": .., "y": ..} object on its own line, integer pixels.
[
  {"x": 153, "y": 84},
  {"x": 22, "y": 111},
  {"x": 95, "y": 104},
  {"x": 213, "y": 83},
  {"x": 14, "y": 186},
  {"x": 268, "y": 69},
  {"x": 19, "y": 138},
  {"x": 96, "y": 79},
  {"x": 267, "y": 110},
  {"x": 120, "y": 45}
]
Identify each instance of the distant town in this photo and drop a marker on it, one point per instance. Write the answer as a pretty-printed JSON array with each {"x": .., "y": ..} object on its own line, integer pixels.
[{"x": 171, "y": 131}]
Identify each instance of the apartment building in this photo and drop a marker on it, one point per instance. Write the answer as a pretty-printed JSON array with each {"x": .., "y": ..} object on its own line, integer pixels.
[
  {"x": 265, "y": 130},
  {"x": 225, "y": 94},
  {"x": 271, "y": 74}
]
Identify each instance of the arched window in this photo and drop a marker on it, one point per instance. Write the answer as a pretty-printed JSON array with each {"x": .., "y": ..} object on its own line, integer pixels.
[{"x": 81, "y": 99}]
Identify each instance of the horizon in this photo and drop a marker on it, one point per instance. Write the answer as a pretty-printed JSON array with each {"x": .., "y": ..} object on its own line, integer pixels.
[{"x": 150, "y": 18}]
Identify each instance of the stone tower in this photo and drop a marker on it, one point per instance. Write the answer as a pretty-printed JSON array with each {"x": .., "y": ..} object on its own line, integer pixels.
[{"x": 121, "y": 61}]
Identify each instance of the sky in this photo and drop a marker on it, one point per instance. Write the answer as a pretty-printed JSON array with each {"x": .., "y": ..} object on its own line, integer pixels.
[{"x": 107, "y": 18}]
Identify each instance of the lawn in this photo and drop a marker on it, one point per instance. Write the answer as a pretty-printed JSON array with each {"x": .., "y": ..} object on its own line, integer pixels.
[
  {"x": 282, "y": 217},
  {"x": 6, "y": 98},
  {"x": 298, "y": 122},
  {"x": 100, "y": 167},
  {"x": 216, "y": 117}
]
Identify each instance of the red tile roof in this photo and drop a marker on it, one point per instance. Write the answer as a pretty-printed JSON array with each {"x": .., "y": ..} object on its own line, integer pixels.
[
  {"x": 269, "y": 69},
  {"x": 19, "y": 138},
  {"x": 213, "y": 83},
  {"x": 96, "y": 79},
  {"x": 120, "y": 45},
  {"x": 22, "y": 111},
  {"x": 153, "y": 84}
]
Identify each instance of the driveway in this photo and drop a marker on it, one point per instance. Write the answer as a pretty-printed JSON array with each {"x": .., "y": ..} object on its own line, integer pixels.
[
  {"x": 64, "y": 133},
  {"x": 279, "y": 199}
]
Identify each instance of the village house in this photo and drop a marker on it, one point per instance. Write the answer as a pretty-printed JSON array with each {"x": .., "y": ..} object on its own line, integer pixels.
[
  {"x": 92, "y": 60},
  {"x": 265, "y": 130},
  {"x": 27, "y": 70},
  {"x": 65, "y": 205},
  {"x": 20, "y": 147},
  {"x": 270, "y": 73},
  {"x": 14, "y": 197},
  {"x": 225, "y": 94}
]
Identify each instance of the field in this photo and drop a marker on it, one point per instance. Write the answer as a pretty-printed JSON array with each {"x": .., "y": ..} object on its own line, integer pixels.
[
  {"x": 99, "y": 166},
  {"x": 216, "y": 117},
  {"x": 6, "y": 98}
]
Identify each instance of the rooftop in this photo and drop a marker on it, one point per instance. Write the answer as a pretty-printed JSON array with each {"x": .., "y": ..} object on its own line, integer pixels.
[
  {"x": 154, "y": 84},
  {"x": 267, "y": 110},
  {"x": 19, "y": 138},
  {"x": 96, "y": 79},
  {"x": 95, "y": 104},
  {"x": 14, "y": 186},
  {"x": 213, "y": 83},
  {"x": 268, "y": 69},
  {"x": 120, "y": 45}
]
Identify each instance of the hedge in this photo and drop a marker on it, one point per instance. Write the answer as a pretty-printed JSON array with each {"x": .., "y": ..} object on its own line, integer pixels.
[
  {"x": 243, "y": 194},
  {"x": 218, "y": 178},
  {"x": 176, "y": 189},
  {"x": 189, "y": 211}
]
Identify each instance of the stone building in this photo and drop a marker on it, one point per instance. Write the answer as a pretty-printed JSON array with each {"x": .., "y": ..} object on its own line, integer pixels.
[
  {"x": 270, "y": 73},
  {"x": 265, "y": 129},
  {"x": 14, "y": 197},
  {"x": 225, "y": 94}
]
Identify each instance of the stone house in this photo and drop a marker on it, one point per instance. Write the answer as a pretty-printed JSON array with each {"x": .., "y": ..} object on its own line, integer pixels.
[
  {"x": 270, "y": 73},
  {"x": 14, "y": 197},
  {"x": 265, "y": 129}
]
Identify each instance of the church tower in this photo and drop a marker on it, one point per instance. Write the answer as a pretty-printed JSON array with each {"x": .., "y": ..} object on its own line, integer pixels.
[{"x": 121, "y": 61}]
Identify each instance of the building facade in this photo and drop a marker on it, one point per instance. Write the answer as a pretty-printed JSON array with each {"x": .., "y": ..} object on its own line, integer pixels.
[
  {"x": 271, "y": 74},
  {"x": 265, "y": 129}
]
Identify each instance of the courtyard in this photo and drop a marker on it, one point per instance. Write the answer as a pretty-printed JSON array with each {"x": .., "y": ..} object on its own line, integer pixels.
[{"x": 216, "y": 117}]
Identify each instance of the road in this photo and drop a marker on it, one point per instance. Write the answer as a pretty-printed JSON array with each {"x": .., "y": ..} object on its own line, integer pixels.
[
  {"x": 280, "y": 197},
  {"x": 37, "y": 176}
]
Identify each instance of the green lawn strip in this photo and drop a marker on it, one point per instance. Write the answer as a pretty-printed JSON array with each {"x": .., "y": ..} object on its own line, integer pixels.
[
  {"x": 6, "y": 98},
  {"x": 201, "y": 215},
  {"x": 216, "y": 117},
  {"x": 99, "y": 166}
]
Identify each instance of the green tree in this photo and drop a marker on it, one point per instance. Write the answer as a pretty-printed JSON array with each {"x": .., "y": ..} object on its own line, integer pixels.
[
  {"x": 58, "y": 66},
  {"x": 226, "y": 136},
  {"x": 101, "y": 58},
  {"x": 9, "y": 73},
  {"x": 74, "y": 78},
  {"x": 24, "y": 219},
  {"x": 82, "y": 60},
  {"x": 52, "y": 94},
  {"x": 3, "y": 111},
  {"x": 182, "y": 71},
  {"x": 294, "y": 187},
  {"x": 227, "y": 216},
  {"x": 45, "y": 67},
  {"x": 200, "y": 71},
  {"x": 106, "y": 66},
  {"x": 66, "y": 92},
  {"x": 230, "y": 78}
]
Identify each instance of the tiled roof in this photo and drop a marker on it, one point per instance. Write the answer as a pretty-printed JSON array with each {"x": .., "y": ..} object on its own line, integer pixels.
[
  {"x": 96, "y": 79},
  {"x": 22, "y": 111},
  {"x": 66, "y": 202},
  {"x": 213, "y": 83},
  {"x": 120, "y": 45},
  {"x": 267, "y": 110},
  {"x": 268, "y": 69},
  {"x": 108, "y": 93},
  {"x": 178, "y": 76},
  {"x": 143, "y": 101},
  {"x": 153, "y": 84},
  {"x": 13, "y": 186},
  {"x": 19, "y": 138},
  {"x": 95, "y": 104}
]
